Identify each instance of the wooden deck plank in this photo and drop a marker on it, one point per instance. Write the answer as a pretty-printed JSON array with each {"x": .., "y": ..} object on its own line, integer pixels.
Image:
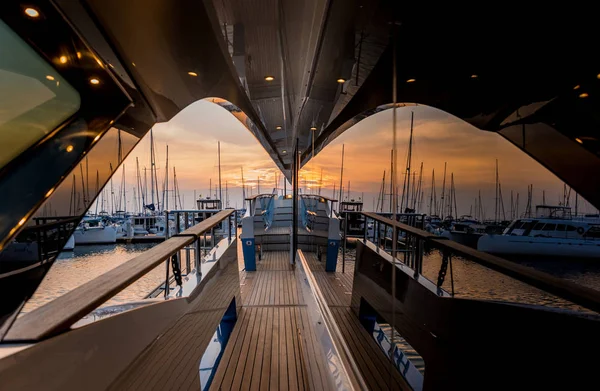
[
  {"x": 246, "y": 353},
  {"x": 283, "y": 373},
  {"x": 276, "y": 345},
  {"x": 263, "y": 376}
]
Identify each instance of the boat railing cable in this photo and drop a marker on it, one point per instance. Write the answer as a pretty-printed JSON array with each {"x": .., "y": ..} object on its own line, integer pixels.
[
  {"x": 60, "y": 314},
  {"x": 420, "y": 239}
]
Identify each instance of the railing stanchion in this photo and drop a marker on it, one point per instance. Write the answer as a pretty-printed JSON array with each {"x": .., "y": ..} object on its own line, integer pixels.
[
  {"x": 167, "y": 289},
  {"x": 186, "y": 216},
  {"x": 197, "y": 263},
  {"x": 167, "y": 232},
  {"x": 344, "y": 248}
]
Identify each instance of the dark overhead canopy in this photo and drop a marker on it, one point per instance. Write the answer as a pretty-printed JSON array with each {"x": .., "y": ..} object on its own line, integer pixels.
[{"x": 511, "y": 70}]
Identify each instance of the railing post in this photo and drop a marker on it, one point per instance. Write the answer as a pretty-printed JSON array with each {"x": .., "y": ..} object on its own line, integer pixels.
[
  {"x": 167, "y": 289},
  {"x": 344, "y": 248},
  {"x": 229, "y": 226},
  {"x": 187, "y": 248},
  {"x": 197, "y": 256},
  {"x": 167, "y": 233}
]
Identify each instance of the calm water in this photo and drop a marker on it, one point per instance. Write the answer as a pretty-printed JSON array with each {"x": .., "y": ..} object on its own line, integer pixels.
[
  {"x": 474, "y": 281},
  {"x": 85, "y": 263},
  {"x": 471, "y": 280}
]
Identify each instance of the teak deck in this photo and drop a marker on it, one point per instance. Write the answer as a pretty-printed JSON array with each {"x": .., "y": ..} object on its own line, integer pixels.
[{"x": 272, "y": 346}]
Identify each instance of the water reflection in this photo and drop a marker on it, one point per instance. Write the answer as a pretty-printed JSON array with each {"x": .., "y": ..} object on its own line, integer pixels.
[
  {"x": 474, "y": 281},
  {"x": 72, "y": 269}
]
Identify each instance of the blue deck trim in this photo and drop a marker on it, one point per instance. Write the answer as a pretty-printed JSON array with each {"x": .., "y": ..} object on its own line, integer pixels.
[
  {"x": 333, "y": 247},
  {"x": 249, "y": 250}
]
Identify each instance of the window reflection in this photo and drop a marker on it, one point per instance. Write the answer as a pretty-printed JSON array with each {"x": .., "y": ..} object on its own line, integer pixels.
[{"x": 34, "y": 99}]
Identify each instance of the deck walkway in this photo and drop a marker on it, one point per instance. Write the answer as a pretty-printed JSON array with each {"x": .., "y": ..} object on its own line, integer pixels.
[
  {"x": 370, "y": 359},
  {"x": 272, "y": 346}
]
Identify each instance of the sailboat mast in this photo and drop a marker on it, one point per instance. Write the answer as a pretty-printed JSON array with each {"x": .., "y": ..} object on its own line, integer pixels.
[
  {"x": 243, "y": 188},
  {"x": 175, "y": 190},
  {"x": 321, "y": 181},
  {"x": 496, "y": 203},
  {"x": 431, "y": 199},
  {"x": 220, "y": 187},
  {"x": 166, "y": 193},
  {"x": 442, "y": 199},
  {"x": 409, "y": 158},
  {"x": 152, "y": 166},
  {"x": 391, "y": 176},
  {"x": 124, "y": 192},
  {"x": 341, "y": 177}
]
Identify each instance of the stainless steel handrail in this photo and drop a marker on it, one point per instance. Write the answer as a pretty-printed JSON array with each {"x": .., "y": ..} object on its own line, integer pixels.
[
  {"x": 61, "y": 313},
  {"x": 350, "y": 366},
  {"x": 575, "y": 293}
]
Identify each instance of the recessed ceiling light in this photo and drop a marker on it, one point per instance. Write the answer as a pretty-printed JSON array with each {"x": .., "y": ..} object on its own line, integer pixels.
[
  {"x": 474, "y": 76},
  {"x": 192, "y": 74},
  {"x": 584, "y": 95},
  {"x": 278, "y": 128},
  {"x": 598, "y": 76},
  {"x": 50, "y": 77},
  {"x": 97, "y": 138},
  {"x": 32, "y": 12},
  {"x": 69, "y": 148},
  {"x": 340, "y": 80},
  {"x": 578, "y": 140},
  {"x": 62, "y": 59},
  {"x": 94, "y": 81},
  {"x": 313, "y": 128},
  {"x": 284, "y": 151},
  {"x": 79, "y": 55},
  {"x": 269, "y": 78},
  {"x": 410, "y": 80},
  {"x": 576, "y": 87},
  {"x": 49, "y": 192},
  {"x": 22, "y": 221}
]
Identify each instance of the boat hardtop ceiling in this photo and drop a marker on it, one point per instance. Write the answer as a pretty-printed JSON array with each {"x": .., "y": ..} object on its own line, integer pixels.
[{"x": 296, "y": 74}]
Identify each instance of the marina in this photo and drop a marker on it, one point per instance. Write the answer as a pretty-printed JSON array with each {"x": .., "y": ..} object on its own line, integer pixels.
[{"x": 260, "y": 195}]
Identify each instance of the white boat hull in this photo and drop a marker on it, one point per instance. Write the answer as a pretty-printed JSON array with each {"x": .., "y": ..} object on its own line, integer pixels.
[
  {"x": 70, "y": 245},
  {"x": 526, "y": 245},
  {"x": 105, "y": 235}
]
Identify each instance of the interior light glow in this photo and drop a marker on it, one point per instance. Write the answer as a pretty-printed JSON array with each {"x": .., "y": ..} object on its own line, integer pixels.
[{"x": 32, "y": 12}]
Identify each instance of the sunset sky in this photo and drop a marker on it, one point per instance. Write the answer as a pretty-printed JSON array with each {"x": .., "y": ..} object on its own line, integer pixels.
[{"x": 470, "y": 154}]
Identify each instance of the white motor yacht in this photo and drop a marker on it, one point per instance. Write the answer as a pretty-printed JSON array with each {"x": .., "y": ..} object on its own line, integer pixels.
[{"x": 553, "y": 232}]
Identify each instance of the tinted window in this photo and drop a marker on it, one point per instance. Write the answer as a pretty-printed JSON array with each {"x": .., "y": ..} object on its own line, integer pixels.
[
  {"x": 549, "y": 227},
  {"x": 538, "y": 226},
  {"x": 527, "y": 225},
  {"x": 560, "y": 227},
  {"x": 34, "y": 99},
  {"x": 571, "y": 228}
]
